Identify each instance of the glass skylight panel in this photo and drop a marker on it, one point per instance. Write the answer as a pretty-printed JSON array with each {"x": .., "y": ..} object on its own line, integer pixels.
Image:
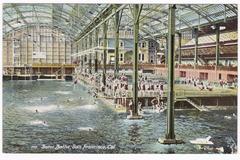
[
  {"x": 24, "y": 8},
  {"x": 43, "y": 9},
  {"x": 45, "y": 20},
  {"x": 67, "y": 8}
]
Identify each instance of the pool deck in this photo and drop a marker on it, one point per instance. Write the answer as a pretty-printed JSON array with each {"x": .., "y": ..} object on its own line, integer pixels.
[
  {"x": 181, "y": 90},
  {"x": 183, "y": 93}
]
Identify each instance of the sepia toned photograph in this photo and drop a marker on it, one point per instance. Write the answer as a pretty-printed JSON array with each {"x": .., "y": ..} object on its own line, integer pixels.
[{"x": 119, "y": 78}]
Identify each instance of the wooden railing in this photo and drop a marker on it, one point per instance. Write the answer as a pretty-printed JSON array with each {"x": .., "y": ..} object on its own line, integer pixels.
[{"x": 154, "y": 66}]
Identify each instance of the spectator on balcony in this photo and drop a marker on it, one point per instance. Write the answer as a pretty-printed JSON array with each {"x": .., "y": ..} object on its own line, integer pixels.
[
  {"x": 194, "y": 83},
  {"x": 221, "y": 82},
  {"x": 161, "y": 90}
]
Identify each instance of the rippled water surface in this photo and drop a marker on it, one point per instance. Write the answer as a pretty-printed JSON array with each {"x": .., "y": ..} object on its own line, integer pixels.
[{"x": 55, "y": 116}]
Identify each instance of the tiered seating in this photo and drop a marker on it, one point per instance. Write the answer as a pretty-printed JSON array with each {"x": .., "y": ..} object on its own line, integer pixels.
[{"x": 227, "y": 36}]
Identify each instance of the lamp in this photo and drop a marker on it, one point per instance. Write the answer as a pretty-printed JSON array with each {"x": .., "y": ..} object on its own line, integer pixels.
[
  {"x": 213, "y": 27},
  {"x": 222, "y": 28}
]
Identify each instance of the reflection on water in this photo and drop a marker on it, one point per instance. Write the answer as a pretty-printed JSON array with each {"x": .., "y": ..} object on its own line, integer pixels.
[
  {"x": 48, "y": 116},
  {"x": 134, "y": 138}
]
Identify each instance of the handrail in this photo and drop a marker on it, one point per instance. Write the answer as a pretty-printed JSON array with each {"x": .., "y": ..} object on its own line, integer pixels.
[{"x": 154, "y": 66}]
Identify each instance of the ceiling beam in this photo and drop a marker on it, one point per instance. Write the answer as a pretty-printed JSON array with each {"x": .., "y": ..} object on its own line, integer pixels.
[
  {"x": 35, "y": 13},
  {"x": 199, "y": 12},
  {"x": 6, "y": 22},
  {"x": 105, "y": 15},
  {"x": 19, "y": 13},
  {"x": 231, "y": 8}
]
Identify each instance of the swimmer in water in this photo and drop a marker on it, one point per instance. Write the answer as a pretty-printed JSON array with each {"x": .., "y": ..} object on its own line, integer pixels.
[
  {"x": 36, "y": 111},
  {"x": 41, "y": 98},
  {"x": 75, "y": 82}
]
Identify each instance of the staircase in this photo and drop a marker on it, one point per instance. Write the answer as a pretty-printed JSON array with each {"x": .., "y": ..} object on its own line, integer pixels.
[
  {"x": 198, "y": 107},
  {"x": 163, "y": 60},
  {"x": 60, "y": 72},
  {"x": 202, "y": 60}
]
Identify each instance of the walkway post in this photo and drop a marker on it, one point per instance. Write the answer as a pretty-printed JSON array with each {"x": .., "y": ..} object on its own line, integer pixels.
[
  {"x": 170, "y": 135},
  {"x": 137, "y": 11}
]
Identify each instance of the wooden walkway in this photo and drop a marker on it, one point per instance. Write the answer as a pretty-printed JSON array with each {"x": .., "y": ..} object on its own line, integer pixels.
[{"x": 183, "y": 93}]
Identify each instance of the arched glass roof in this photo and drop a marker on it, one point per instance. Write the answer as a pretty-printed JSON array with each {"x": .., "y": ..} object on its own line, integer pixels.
[
  {"x": 73, "y": 19},
  {"x": 70, "y": 18}
]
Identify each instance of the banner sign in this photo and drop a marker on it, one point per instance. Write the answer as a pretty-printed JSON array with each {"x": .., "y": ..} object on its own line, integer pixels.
[{"x": 39, "y": 55}]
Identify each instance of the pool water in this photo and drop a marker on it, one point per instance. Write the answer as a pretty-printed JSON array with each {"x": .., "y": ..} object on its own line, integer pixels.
[{"x": 58, "y": 117}]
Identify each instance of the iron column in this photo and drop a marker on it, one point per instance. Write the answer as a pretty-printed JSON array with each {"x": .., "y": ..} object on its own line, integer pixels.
[
  {"x": 170, "y": 135},
  {"x": 104, "y": 52},
  {"x": 166, "y": 51},
  {"x": 196, "y": 47},
  {"x": 81, "y": 57},
  {"x": 137, "y": 12},
  {"x": 179, "y": 48},
  {"x": 116, "y": 27},
  {"x": 217, "y": 45},
  {"x": 90, "y": 54},
  {"x": 90, "y": 63},
  {"x": 170, "y": 95},
  {"x": 96, "y": 55}
]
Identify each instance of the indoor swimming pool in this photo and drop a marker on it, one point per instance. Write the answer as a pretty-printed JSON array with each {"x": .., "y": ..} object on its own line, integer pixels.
[{"x": 59, "y": 117}]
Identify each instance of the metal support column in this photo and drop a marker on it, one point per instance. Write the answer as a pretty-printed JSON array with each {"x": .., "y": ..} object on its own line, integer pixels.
[
  {"x": 179, "y": 48},
  {"x": 52, "y": 38},
  {"x": 77, "y": 51},
  {"x": 105, "y": 27},
  {"x": 26, "y": 62},
  {"x": 65, "y": 51},
  {"x": 90, "y": 63},
  {"x": 86, "y": 43},
  {"x": 71, "y": 48},
  {"x": 96, "y": 55},
  {"x": 59, "y": 62},
  {"x": 137, "y": 12},
  {"x": 116, "y": 27},
  {"x": 81, "y": 59},
  {"x": 217, "y": 45},
  {"x": 85, "y": 63},
  {"x": 166, "y": 51},
  {"x": 90, "y": 54},
  {"x": 170, "y": 135},
  {"x": 196, "y": 47}
]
